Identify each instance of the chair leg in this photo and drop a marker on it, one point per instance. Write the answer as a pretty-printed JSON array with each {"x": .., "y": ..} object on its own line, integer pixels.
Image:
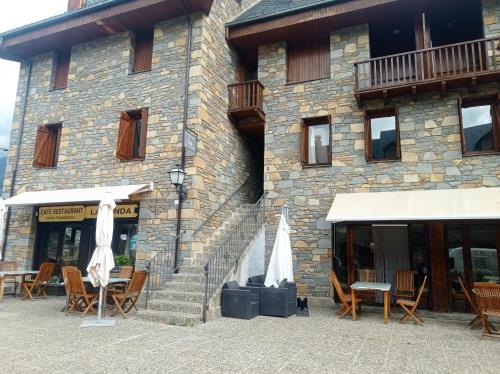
[
  {"x": 132, "y": 304},
  {"x": 119, "y": 305},
  {"x": 90, "y": 305}
]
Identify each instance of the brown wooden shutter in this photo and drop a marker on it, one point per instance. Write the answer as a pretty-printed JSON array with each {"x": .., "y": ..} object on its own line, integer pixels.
[
  {"x": 144, "y": 133},
  {"x": 368, "y": 136},
  {"x": 496, "y": 122},
  {"x": 308, "y": 61},
  {"x": 76, "y": 4},
  {"x": 40, "y": 158},
  {"x": 330, "y": 156},
  {"x": 143, "y": 50},
  {"x": 62, "y": 70},
  {"x": 398, "y": 136},
  {"x": 303, "y": 143},
  {"x": 125, "y": 143},
  {"x": 460, "y": 119}
]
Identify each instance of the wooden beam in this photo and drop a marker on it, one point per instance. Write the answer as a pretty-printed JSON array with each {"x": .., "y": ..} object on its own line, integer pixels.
[
  {"x": 473, "y": 85},
  {"x": 105, "y": 27},
  {"x": 439, "y": 267},
  {"x": 414, "y": 93},
  {"x": 442, "y": 91},
  {"x": 296, "y": 19}
]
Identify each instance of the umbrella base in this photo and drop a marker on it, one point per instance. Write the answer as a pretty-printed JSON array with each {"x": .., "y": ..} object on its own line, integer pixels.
[{"x": 92, "y": 322}]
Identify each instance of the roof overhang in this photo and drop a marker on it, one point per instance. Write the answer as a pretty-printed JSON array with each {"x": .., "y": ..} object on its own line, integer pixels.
[
  {"x": 78, "y": 195},
  {"x": 93, "y": 22},
  {"x": 431, "y": 205}
]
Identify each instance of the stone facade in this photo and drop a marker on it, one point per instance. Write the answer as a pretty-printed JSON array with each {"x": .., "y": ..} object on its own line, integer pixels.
[
  {"x": 430, "y": 147},
  {"x": 101, "y": 85}
]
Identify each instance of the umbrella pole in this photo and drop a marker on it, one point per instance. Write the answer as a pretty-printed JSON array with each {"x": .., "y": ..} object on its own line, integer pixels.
[{"x": 99, "y": 307}]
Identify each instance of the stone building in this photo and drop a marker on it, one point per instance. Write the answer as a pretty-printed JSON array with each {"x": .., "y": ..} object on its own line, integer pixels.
[{"x": 304, "y": 100}]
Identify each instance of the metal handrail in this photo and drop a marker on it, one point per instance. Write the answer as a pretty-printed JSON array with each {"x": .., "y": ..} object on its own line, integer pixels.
[{"x": 225, "y": 257}]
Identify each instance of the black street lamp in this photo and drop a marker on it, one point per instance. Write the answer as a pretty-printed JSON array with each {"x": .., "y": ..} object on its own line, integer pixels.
[{"x": 177, "y": 175}]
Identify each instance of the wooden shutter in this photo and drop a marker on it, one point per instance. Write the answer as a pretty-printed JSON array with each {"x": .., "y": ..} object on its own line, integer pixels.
[
  {"x": 76, "y": 4},
  {"x": 303, "y": 144},
  {"x": 368, "y": 138},
  {"x": 62, "y": 70},
  {"x": 496, "y": 122},
  {"x": 144, "y": 133},
  {"x": 462, "y": 133},
  {"x": 125, "y": 143},
  {"x": 143, "y": 50},
  {"x": 308, "y": 61},
  {"x": 42, "y": 139}
]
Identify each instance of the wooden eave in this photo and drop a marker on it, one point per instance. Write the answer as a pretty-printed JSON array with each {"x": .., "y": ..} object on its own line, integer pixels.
[{"x": 84, "y": 25}]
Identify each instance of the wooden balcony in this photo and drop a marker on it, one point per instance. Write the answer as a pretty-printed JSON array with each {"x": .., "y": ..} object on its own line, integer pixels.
[
  {"x": 246, "y": 105},
  {"x": 438, "y": 68}
]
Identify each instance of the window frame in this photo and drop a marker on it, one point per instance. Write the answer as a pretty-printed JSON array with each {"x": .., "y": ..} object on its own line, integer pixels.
[
  {"x": 122, "y": 152},
  {"x": 53, "y": 127},
  {"x": 380, "y": 113},
  {"x": 305, "y": 123},
  {"x": 297, "y": 49},
  {"x": 494, "y": 102},
  {"x": 144, "y": 39}
]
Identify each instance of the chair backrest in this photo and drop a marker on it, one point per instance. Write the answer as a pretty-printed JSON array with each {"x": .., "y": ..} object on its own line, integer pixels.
[
  {"x": 64, "y": 270},
  {"x": 137, "y": 283},
  {"x": 366, "y": 275},
  {"x": 488, "y": 295},
  {"x": 45, "y": 272},
  {"x": 467, "y": 295},
  {"x": 338, "y": 287},
  {"x": 75, "y": 282},
  {"x": 8, "y": 265},
  {"x": 420, "y": 292},
  {"x": 125, "y": 272},
  {"x": 405, "y": 281}
]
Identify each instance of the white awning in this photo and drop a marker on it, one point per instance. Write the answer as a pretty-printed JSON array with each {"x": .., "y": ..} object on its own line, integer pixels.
[
  {"x": 78, "y": 195},
  {"x": 456, "y": 204}
]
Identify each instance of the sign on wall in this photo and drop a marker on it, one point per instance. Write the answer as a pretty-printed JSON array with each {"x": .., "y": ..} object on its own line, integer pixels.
[
  {"x": 190, "y": 142},
  {"x": 73, "y": 213}
]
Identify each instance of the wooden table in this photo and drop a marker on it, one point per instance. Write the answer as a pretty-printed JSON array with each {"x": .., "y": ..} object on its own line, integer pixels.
[
  {"x": 13, "y": 273},
  {"x": 372, "y": 286}
]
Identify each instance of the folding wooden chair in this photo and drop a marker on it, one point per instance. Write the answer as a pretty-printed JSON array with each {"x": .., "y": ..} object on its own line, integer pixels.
[
  {"x": 131, "y": 294},
  {"x": 488, "y": 295},
  {"x": 10, "y": 265},
  {"x": 407, "y": 304},
  {"x": 125, "y": 272},
  {"x": 64, "y": 269},
  {"x": 405, "y": 287},
  {"x": 78, "y": 295},
  {"x": 39, "y": 283},
  {"x": 472, "y": 304},
  {"x": 345, "y": 300}
]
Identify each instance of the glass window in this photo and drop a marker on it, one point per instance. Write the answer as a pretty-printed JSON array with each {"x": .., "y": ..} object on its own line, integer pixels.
[
  {"x": 382, "y": 135},
  {"x": 315, "y": 141},
  {"x": 484, "y": 256},
  {"x": 340, "y": 257},
  {"x": 364, "y": 253},
  {"x": 478, "y": 121}
]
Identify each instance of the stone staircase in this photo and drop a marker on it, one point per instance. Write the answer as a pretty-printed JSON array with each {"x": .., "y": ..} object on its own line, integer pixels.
[{"x": 180, "y": 301}]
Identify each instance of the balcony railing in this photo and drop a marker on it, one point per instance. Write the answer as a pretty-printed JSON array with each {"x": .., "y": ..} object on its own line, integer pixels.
[
  {"x": 451, "y": 64},
  {"x": 246, "y": 95}
]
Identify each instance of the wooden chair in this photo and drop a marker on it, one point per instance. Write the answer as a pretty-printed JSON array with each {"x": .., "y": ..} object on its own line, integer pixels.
[
  {"x": 64, "y": 270},
  {"x": 345, "y": 300},
  {"x": 125, "y": 272},
  {"x": 6, "y": 266},
  {"x": 472, "y": 304},
  {"x": 78, "y": 295},
  {"x": 39, "y": 283},
  {"x": 405, "y": 287},
  {"x": 131, "y": 294},
  {"x": 407, "y": 304},
  {"x": 488, "y": 295}
]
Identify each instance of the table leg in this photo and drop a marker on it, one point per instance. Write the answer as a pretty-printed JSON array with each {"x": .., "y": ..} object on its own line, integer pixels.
[
  {"x": 386, "y": 306},
  {"x": 2, "y": 284},
  {"x": 353, "y": 303}
]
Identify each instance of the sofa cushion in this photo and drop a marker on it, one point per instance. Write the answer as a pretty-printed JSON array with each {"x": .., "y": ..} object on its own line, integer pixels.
[
  {"x": 283, "y": 283},
  {"x": 258, "y": 279},
  {"x": 233, "y": 285}
]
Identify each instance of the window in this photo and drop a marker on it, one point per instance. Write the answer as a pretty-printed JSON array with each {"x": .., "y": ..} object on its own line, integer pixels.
[
  {"x": 47, "y": 146},
  {"x": 480, "y": 119},
  {"x": 76, "y": 4},
  {"x": 132, "y": 135},
  {"x": 308, "y": 61},
  {"x": 61, "y": 70},
  {"x": 143, "y": 50},
  {"x": 315, "y": 141},
  {"x": 382, "y": 135}
]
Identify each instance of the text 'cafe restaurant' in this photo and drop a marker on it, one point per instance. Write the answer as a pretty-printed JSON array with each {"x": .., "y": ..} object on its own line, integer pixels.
[
  {"x": 65, "y": 223},
  {"x": 444, "y": 234}
]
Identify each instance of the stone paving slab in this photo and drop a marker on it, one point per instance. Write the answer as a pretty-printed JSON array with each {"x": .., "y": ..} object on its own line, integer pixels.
[{"x": 36, "y": 337}]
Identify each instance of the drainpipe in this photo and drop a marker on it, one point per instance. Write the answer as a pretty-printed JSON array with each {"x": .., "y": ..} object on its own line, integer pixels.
[
  {"x": 28, "y": 64},
  {"x": 184, "y": 127}
]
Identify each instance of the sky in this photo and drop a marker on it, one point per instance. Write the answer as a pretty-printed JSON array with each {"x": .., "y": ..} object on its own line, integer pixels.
[{"x": 14, "y": 14}]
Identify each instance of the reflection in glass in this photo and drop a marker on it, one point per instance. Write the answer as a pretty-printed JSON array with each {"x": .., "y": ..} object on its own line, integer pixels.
[
  {"x": 483, "y": 254},
  {"x": 456, "y": 265},
  {"x": 71, "y": 246},
  {"x": 364, "y": 256},
  {"x": 478, "y": 128},
  {"x": 340, "y": 258},
  {"x": 384, "y": 138},
  {"x": 319, "y": 143}
]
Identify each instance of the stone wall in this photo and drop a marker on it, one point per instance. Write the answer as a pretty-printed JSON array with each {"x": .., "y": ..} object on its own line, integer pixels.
[
  {"x": 430, "y": 146},
  {"x": 491, "y": 18}
]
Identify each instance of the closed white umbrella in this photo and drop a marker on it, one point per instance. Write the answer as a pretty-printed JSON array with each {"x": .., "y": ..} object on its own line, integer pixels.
[
  {"x": 102, "y": 260},
  {"x": 3, "y": 210},
  {"x": 281, "y": 263}
]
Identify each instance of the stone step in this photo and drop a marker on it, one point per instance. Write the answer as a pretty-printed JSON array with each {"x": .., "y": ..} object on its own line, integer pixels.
[
  {"x": 170, "y": 318},
  {"x": 191, "y": 270},
  {"x": 175, "y": 306},
  {"x": 191, "y": 278},
  {"x": 182, "y": 286},
  {"x": 182, "y": 296},
  {"x": 191, "y": 262}
]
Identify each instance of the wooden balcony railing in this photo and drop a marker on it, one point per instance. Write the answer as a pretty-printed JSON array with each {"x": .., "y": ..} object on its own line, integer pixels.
[
  {"x": 245, "y": 96},
  {"x": 452, "y": 63}
]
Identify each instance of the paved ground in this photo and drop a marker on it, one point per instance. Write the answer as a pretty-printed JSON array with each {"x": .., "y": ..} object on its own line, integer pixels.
[{"x": 36, "y": 337}]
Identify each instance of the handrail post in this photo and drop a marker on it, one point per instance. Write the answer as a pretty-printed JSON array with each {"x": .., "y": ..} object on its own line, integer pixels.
[
  {"x": 205, "y": 296},
  {"x": 148, "y": 287}
]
